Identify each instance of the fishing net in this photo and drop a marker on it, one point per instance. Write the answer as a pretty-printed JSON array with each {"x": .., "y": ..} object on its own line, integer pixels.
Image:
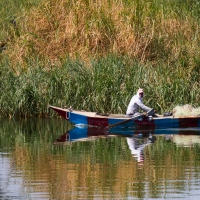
[{"x": 186, "y": 111}]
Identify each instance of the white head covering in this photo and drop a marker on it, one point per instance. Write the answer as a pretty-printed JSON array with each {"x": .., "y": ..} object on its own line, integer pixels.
[{"x": 140, "y": 90}]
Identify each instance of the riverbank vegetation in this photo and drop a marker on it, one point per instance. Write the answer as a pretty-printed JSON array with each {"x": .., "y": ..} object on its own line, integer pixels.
[{"x": 93, "y": 55}]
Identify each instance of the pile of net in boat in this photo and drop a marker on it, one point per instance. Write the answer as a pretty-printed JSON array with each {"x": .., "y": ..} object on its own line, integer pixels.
[{"x": 186, "y": 111}]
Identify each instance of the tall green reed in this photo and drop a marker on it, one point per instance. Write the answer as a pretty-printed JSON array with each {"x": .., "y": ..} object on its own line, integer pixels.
[{"x": 106, "y": 86}]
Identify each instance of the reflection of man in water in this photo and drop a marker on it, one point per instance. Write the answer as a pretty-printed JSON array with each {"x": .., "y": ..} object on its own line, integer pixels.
[{"x": 137, "y": 145}]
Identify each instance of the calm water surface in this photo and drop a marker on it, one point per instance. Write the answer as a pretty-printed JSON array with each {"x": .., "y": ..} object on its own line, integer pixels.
[{"x": 49, "y": 159}]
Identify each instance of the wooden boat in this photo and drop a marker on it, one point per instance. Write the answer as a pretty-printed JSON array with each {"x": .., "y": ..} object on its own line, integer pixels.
[{"x": 83, "y": 118}]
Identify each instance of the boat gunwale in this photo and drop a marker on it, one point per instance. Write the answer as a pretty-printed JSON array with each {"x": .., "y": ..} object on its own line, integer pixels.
[{"x": 117, "y": 116}]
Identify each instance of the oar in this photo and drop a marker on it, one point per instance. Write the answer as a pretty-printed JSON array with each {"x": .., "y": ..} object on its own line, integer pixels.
[{"x": 127, "y": 120}]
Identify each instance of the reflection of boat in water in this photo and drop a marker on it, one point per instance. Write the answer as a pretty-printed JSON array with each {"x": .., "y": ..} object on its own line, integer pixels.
[
  {"x": 137, "y": 140},
  {"x": 168, "y": 131},
  {"x": 82, "y": 134},
  {"x": 90, "y": 133}
]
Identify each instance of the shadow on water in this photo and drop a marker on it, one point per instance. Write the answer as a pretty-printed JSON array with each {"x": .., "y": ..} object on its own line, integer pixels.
[{"x": 50, "y": 159}]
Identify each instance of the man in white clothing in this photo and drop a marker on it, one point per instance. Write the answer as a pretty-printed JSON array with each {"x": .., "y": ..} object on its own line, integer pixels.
[{"x": 136, "y": 103}]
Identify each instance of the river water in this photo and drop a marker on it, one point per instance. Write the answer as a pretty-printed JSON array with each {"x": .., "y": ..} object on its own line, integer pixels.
[{"x": 49, "y": 159}]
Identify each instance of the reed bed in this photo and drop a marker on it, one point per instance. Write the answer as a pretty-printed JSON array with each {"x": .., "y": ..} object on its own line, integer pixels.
[
  {"x": 93, "y": 55},
  {"x": 107, "y": 86}
]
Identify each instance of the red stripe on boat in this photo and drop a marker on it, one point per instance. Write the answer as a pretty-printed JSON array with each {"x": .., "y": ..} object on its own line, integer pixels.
[
  {"x": 97, "y": 121},
  {"x": 144, "y": 122},
  {"x": 190, "y": 122}
]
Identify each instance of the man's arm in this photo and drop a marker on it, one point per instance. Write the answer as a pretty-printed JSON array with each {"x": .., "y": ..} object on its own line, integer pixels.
[{"x": 142, "y": 106}]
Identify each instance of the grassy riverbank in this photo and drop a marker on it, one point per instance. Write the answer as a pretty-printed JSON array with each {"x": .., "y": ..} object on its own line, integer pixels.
[
  {"x": 106, "y": 86},
  {"x": 94, "y": 55}
]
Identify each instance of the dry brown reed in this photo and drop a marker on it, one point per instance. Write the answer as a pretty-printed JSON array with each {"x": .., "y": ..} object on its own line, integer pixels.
[{"x": 57, "y": 29}]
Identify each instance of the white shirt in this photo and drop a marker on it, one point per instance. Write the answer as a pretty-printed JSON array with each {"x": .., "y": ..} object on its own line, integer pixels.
[{"x": 135, "y": 104}]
